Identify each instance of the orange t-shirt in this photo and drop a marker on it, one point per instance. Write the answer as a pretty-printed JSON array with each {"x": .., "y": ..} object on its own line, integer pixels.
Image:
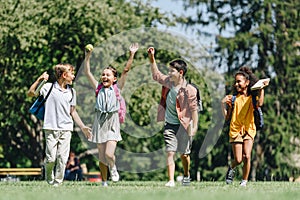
[{"x": 242, "y": 120}]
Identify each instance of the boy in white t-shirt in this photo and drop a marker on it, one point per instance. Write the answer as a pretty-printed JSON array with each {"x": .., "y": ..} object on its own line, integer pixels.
[{"x": 58, "y": 122}]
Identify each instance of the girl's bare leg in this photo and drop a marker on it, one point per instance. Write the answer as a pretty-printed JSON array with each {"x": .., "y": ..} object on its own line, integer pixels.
[
  {"x": 247, "y": 148},
  {"x": 102, "y": 161}
]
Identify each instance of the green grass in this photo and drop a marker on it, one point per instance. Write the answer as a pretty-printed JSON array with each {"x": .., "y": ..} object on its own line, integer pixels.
[{"x": 125, "y": 190}]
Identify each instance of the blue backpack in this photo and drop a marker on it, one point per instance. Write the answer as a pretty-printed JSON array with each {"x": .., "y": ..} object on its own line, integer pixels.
[{"x": 258, "y": 114}]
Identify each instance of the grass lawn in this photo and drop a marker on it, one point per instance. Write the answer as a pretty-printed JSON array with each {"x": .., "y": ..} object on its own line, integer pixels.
[{"x": 129, "y": 190}]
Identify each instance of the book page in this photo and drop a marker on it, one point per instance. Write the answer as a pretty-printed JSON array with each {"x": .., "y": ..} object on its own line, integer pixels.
[{"x": 259, "y": 84}]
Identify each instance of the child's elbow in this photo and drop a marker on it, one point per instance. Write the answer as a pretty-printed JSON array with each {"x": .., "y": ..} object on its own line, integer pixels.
[
  {"x": 260, "y": 104},
  {"x": 30, "y": 93}
]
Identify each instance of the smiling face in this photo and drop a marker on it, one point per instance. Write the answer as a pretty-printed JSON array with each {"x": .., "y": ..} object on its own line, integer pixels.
[
  {"x": 174, "y": 74},
  {"x": 241, "y": 83},
  {"x": 108, "y": 77}
]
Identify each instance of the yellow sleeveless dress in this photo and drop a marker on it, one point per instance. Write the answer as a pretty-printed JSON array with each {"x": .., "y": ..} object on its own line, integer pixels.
[{"x": 242, "y": 120}]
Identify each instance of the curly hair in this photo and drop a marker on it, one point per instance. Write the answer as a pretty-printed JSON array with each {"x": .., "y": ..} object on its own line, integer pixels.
[{"x": 249, "y": 75}]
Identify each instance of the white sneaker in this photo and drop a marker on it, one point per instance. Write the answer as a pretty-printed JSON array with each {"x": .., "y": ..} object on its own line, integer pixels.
[
  {"x": 243, "y": 183},
  {"x": 170, "y": 184},
  {"x": 50, "y": 182},
  {"x": 104, "y": 183},
  {"x": 114, "y": 174},
  {"x": 57, "y": 184}
]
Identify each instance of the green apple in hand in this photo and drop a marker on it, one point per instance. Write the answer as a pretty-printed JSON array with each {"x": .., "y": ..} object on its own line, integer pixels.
[{"x": 89, "y": 47}]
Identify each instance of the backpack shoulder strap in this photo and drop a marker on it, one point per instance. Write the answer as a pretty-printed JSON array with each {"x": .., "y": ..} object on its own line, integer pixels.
[
  {"x": 49, "y": 92},
  {"x": 117, "y": 91},
  {"x": 233, "y": 100},
  {"x": 254, "y": 102},
  {"x": 100, "y": 85},
  {"x": 72, "y": 94}
]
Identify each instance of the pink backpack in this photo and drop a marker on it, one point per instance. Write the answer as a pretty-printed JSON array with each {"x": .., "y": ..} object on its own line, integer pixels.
[{"x": 122, "y": 110}]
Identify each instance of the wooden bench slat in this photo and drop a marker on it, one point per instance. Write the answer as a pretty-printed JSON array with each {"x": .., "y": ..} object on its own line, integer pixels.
[
  {"x": 91, "y": 173},
  {"x": 20, "y": 171}
]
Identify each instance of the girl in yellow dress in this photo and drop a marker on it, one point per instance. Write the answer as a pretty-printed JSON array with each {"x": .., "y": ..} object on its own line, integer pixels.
[{"x": 242, "y": 127}]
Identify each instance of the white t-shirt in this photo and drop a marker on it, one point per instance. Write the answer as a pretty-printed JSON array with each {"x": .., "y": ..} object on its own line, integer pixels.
[{"x": 58, "y": 107}]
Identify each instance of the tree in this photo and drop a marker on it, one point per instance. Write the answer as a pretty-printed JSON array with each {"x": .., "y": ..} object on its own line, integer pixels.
[
  {"x": 35, "y": 35},
  {"x": 265, "y": 36}
]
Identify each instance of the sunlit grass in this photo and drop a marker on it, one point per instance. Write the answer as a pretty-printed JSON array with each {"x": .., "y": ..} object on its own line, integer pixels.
[{"x": 149, "y": 190}]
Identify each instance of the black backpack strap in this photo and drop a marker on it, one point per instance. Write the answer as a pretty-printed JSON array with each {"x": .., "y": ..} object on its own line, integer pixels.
[
  {"x": 254, "y": 102},
  {"x": 72, "y": 94},
  {"x": 43, "y": 100},
  {"x": 233, "y": 100},
  {"x": 49, "y": 91}
]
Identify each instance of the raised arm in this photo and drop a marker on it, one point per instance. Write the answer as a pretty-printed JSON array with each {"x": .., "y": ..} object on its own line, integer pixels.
[
  {"x": 261, "y": 94},
  {"x": 132, "y": 49},
  {"x": 87, "y": 69},
  {"x": 153, "y": 65},
  {"x": 31, "y": 91},
  {"x": 261, "y": 97}
]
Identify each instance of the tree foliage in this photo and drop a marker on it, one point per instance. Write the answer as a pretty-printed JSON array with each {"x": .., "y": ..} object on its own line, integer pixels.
[
  {"x": 36, "y": 35},
  {"x": 265, "y": 36}
]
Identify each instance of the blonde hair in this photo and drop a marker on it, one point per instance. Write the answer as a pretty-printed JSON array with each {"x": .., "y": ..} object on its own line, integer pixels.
[{"x": 59, "y": 69}]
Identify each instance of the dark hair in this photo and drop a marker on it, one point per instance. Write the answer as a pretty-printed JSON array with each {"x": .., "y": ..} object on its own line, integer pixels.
[
  {"x": 249, "y": 75},
  {"x": 114, "y": 71},
  {"x": 179, "y": 65}
]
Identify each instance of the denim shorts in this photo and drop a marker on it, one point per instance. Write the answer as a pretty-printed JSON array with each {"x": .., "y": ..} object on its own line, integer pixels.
[{"x": 177, "y": 139}]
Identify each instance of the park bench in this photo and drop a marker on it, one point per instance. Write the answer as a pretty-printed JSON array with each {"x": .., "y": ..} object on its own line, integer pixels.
[
  {"x": 92, "y": 176},
  {"x": 21, "y": 171}
]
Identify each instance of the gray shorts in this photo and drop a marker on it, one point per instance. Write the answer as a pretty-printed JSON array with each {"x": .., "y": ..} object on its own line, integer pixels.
[{"x": 177, "y": 139}]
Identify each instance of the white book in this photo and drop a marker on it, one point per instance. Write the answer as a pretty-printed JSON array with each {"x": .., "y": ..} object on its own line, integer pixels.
[{"x": 260, "y": 84}]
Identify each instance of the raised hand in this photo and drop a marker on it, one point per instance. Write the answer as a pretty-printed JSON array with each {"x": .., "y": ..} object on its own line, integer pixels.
[
  {"x": 151, "y": 50},
  {"x": 44, "y": 76},
  {"x": 133, "y": 47}
]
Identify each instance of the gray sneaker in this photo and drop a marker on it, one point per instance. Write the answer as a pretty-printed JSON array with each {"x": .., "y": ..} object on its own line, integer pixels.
[
  {"x": 186, "y": 181},
  {"x": 230, "y": 175}
]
